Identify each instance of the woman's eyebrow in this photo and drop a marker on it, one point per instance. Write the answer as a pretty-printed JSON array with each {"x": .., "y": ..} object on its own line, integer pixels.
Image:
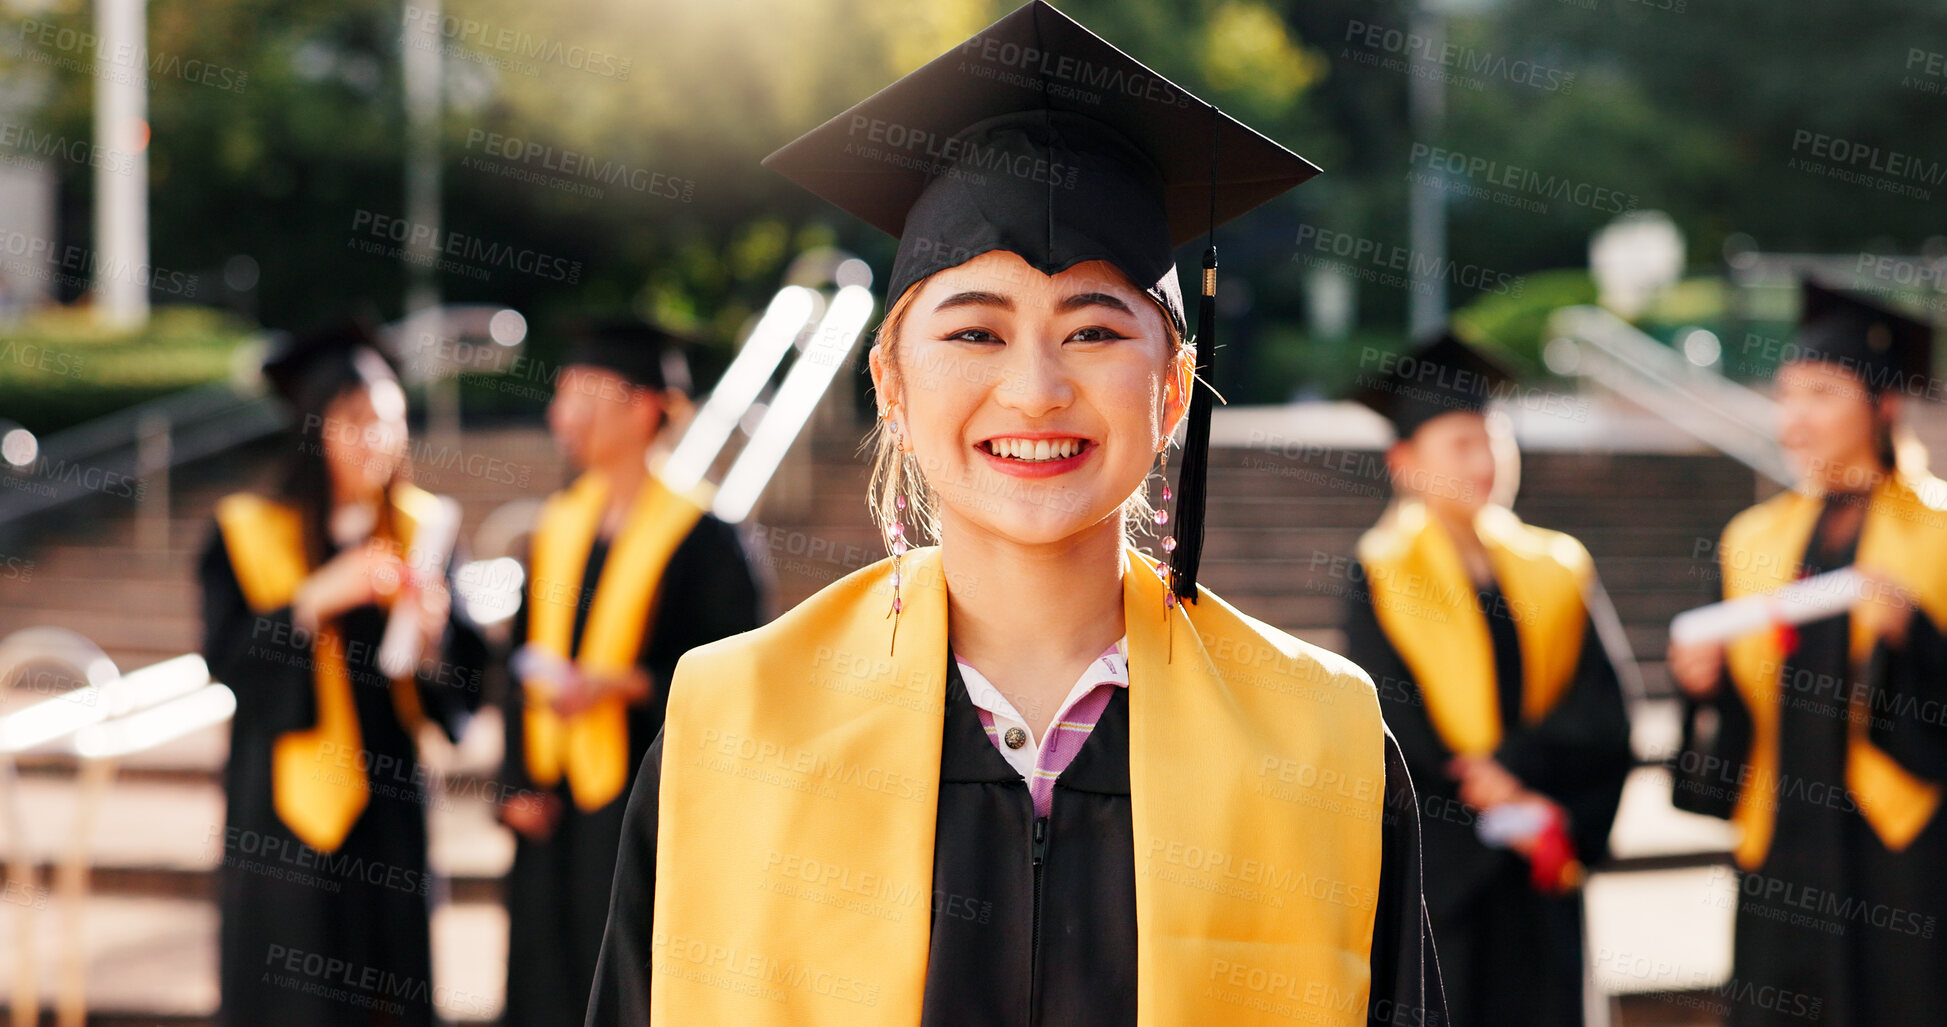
[
  {"x": 1093, "y": 299},
  {"x": 975, "y": 298}
]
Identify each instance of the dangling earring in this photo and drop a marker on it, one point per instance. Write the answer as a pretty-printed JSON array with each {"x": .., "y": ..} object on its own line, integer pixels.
[
  {"x": 1163, "y": 518},
  {"x": 895, "y": 528}
]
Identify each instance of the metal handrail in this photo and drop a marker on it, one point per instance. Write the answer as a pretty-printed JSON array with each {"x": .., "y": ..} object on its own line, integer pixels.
[
  {"x": 1703, "y": 404},
  {"x": 138, "y": 443},
  {"x": 112, "y": 716},
  {"x": 144, "y": 442}
]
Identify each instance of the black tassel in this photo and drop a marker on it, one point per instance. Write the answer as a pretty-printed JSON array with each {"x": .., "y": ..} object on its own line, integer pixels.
[{"x": 1193, "y": 479}]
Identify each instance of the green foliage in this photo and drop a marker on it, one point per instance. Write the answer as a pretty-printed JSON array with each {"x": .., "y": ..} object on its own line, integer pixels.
[
  {"x": 1515, "y": 324},
  {"x": 1688, "y": 106},
  {"x": 58, "y": 369},
  {"x": 1324, "y": 370}
]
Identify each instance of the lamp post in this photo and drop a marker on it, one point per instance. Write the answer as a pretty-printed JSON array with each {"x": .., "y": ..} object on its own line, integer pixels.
[{"x": 121, "y": 257}]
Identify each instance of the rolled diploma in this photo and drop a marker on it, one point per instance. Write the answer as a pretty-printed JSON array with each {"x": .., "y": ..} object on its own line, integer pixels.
[
  {"x": 432, "y": 543},
  {"x": 538, "y": 667},
  {"x": 1502, "y": 826},
  {"x": 1809, "y": 599}
]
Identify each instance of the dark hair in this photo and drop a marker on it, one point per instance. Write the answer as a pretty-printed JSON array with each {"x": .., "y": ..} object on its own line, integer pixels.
[
  {"x": 306, "y": 483},
  {"x": 1883, "y": 435},
  {"x": 897, "y": 475}
]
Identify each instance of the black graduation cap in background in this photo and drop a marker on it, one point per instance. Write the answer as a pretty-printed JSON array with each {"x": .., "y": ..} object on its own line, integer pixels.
[
  {"x": 1442, "y": 375},
  {"x": 1039, "y": 138},
  {"x": 1885, "y": 348},
  {"x": 309, "y": 369},
  {"x": 645, "y": 354}
]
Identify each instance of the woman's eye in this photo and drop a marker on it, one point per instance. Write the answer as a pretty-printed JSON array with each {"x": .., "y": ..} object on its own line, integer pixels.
[
  {"x": 1097, "y": 334},
  {"x": 974, "y": 335}
]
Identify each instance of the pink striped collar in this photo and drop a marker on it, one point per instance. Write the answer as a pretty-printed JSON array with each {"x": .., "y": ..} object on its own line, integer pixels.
[{"x": 1040, "y": 761}]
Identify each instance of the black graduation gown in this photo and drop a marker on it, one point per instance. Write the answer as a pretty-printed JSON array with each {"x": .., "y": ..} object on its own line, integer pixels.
[
  {"x": 314, "y": 938},
  {"x": 1834, "y": 925},
  {"x": 558, "y": 889},
  {"x": 988, "y": 964},
  {"x": 1508, "y": 954}
]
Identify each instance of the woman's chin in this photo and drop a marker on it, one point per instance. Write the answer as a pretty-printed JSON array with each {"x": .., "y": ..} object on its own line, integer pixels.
[{"x": 1027, "y": 524}]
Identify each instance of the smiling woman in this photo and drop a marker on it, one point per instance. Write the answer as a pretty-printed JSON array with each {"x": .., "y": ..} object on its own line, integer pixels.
[
  {"x": 1129, "y": 802},
  {"x": 324, "y": 855},
  {"x": 1088, "y": 346}
]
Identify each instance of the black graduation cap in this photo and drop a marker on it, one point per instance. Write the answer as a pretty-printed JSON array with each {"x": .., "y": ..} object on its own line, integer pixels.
[
  {"x": 644, "y": 354},
  {"x": 1442, "y": 375},
  {"x": 1039, "y": 138},
  {"x": 1885, "y": 348},
  {"x": 309, "y": 369}
]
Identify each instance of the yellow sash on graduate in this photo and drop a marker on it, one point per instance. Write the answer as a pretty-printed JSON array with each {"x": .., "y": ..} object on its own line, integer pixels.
[
  {"x": 316, "y": 794},
  {"x": 593, "y": 745},
  {"x": 1903, "y": 538},
  {"x": 800, "y": 784},
  {"x": 1426, "y": 604}
]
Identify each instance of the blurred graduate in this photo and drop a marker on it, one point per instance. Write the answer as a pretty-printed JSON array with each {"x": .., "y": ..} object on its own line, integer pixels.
[
  {"x": 624, "y": 576},
  {"x": 1031, "y": 775},
  {"x": 324, "y": 858},
  {"x": 1475, "y": 629},
  {"x": 1825, "y": 742}
]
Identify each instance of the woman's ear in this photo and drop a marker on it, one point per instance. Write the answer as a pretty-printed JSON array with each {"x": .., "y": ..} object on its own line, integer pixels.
[
  {"x": 1178, "y": 381},
  {"x": 875, "y": 359},
  {"x": 1889, "y": 408},
  {"x": 1400, "y": 462}
]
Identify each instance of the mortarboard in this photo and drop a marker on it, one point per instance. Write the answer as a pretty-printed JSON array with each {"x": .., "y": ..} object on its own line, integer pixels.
[
  {"x": 1442, "y": 375},
  {"x": 309, "y": 369},
  {"x": 647, "y": 355},
  {"x": 1885, "y": 348},
  {"x": 1039, "y": 138}
]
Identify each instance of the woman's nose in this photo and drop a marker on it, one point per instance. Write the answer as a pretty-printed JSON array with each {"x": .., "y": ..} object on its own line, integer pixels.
[{"x": 1036, "y": 383}]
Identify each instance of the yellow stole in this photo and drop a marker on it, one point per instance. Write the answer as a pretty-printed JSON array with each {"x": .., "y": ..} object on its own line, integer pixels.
[
  {"x": 1902, "y": 537},
  {"x": 1425, "y": 603},
  {"x": 314, "y": 792},
  {"x": 593, "y": 745},
  {"x": 800, "y": 784}
]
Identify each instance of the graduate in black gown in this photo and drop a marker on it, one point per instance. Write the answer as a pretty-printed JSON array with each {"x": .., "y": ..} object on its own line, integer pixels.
[
  {"x": 890, "y": 805},
  {"x": 1826, "y": 743},
  {"x": 324, "y": 888},
  {"x": 1474, "y": 628},
  {"x": 657, "y": 576}
]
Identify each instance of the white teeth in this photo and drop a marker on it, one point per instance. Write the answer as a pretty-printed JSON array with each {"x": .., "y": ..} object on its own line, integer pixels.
[{"x": 1035, "y": 451}]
